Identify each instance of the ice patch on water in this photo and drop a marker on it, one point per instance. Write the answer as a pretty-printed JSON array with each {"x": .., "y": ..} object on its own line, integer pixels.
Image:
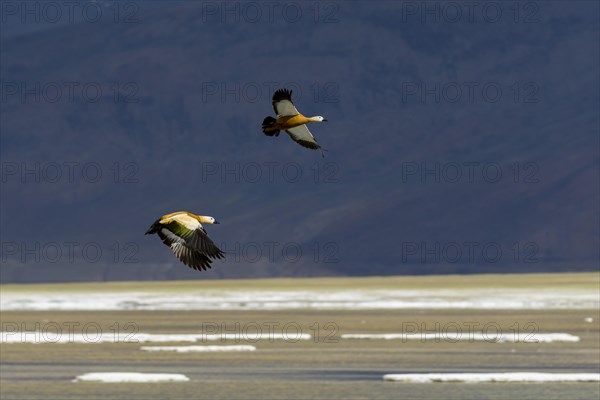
[
  {"x": 468, "y": 336},
  {"x": 114, "y": 377},
  {"x": 44, "y": 337},
  {"x": 492, "y": 377},
  {"x": 198, "y": 349},
  {"x": 368, "y": 299}
]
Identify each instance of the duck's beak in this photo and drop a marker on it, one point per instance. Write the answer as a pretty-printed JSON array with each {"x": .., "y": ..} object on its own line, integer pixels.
[
  {"x": 324, "y": 120},
  {"x": 217, "y": 222}
]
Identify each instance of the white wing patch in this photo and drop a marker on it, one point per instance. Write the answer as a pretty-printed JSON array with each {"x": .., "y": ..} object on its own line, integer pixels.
[
  {"x": 301, "y": 135},
  {"x": 285, "y": 108},
  {"x": 282, "y": 103}
]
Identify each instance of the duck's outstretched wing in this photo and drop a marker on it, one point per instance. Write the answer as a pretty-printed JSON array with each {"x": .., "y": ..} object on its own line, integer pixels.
[
  {"x": 192, "y": 247},
  {"x": 282, "y": 103},
  {"x": 301, "y": 135}
]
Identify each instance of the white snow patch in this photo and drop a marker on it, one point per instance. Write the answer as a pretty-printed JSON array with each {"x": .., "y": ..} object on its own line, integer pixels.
[
  {"x": 198, "y": 349},
  {"x": 469, "y": 336},
  {"x": 46, "y": 337},
  {"x": 366, "y": 299},
  {"x": 589, "y": 320},
  {"x": 113, "y": 377},
  {"x": 255, "y": 336},
  {"x": 492, "y": 377}
]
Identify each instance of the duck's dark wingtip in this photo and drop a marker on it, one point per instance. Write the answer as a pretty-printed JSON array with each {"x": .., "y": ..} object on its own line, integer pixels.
[
  {"x": 282, "y": 94},
  {"x": 154, "y": 228}
]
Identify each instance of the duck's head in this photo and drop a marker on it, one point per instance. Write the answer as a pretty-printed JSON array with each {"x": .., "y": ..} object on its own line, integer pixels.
[{"x": 208, "y": 220}]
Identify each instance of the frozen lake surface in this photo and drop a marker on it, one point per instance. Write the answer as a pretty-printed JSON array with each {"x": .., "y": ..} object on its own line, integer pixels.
[{"x": 368, "y": 299}]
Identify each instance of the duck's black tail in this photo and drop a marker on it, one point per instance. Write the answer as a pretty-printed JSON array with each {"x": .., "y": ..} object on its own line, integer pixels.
[
  {"x": 154, "y": 228},
  {"x": 267, "y": 127}
]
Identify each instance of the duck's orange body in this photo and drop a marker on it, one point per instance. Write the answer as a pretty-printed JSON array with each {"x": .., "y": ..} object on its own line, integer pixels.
[{"x": 285, "y": 122}]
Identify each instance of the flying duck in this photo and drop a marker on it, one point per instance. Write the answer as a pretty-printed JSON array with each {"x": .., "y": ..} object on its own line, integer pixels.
[
  {"x": 291, "y": 121},
  {"x": 183, "y": 233}
]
